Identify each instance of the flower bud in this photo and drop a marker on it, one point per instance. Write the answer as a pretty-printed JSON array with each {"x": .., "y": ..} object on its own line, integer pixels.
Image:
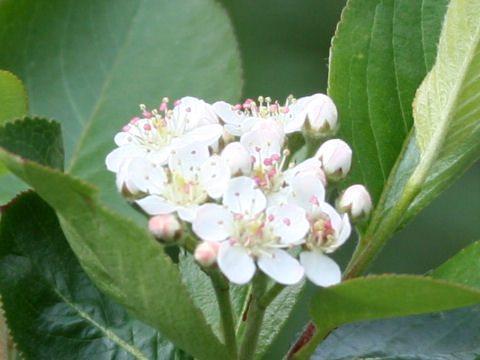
[
  {"x": 164, "y": 227},
  {"x": 206, "y": 253},
  {"x": 321, "y": 116},
  {"x": 336, "y": 158},
  {"x": 355, "y": 201},
  {"x": 238, "y": 158}
]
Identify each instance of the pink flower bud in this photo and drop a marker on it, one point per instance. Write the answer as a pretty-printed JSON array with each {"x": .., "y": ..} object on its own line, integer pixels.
[
  {"x": 321, "y": 115},
  {"x": 164, "y": 227},
  {"x": 355, "y": 201},
  {"x": 206, "y": 253},
  {"x": 238, "y": 158},
  {"x": 336, "y": 158}
]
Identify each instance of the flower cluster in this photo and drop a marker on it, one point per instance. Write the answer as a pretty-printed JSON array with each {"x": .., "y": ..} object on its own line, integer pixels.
[{"x": 224, "y": 170}]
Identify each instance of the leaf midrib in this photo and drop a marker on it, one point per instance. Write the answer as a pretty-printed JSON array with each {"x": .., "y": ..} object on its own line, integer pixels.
[
  {"x": 108, "y": 333},
  {"x": 105, "y": 87}
]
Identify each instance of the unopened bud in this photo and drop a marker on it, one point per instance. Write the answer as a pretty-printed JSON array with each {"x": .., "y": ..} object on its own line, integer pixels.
[
  {"x": 206, "y": 253},
  {"x": 321, "y": 116},
  {"x": 164, "y": 227},
  {"x": 238, "y": 158},
  {"x": 355, "y": 201},
  {"x": 336, "y": 158}
]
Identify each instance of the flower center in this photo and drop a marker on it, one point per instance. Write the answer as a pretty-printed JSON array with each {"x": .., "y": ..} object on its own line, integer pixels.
[
  {"x": 322, "y": 234},
  {"x": 267, "y": 173},
  {"x": 255, "y": 235},
  {"x": 184, "y": 192}
]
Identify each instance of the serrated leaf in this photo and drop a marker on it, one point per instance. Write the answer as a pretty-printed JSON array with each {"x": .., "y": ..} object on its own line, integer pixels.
[
  {"x": 122, "y": 259},
  {"x": 89, "y": 64},
  {"x": 448, "y": 335},
  {"x": 276, "y": 316},
  {"x": 52, "y": 307},
  {"x": 446, "y": 111},
  {"x": 380, "y": 53},
  {"x": 35, "y": 139},
  {"x": 13, "y": 101},
  {"x": 385, "y": 296}
]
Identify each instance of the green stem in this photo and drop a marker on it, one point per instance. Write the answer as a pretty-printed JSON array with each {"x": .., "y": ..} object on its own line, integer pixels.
[
  {"x": 255, "y": 318},
  {"x": 271, "y": 294},
  {"x": 222, "y": 292}
]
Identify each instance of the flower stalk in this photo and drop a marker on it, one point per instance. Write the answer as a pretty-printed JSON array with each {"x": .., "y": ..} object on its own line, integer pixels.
[
  {"x": 222, "y": 292},
  {"x": 256, "y": 313}
]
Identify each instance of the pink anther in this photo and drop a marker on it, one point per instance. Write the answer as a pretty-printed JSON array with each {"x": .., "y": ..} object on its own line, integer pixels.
[
  {"x": 287, "y": 221},
  {"x": 147, "y": 127}
]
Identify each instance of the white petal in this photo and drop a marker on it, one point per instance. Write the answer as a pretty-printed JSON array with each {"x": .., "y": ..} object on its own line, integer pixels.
[
  {"x": 345, "y": 231},
  {"x": 205, "y": 135},
  {"x": 215, "y": 173},
  {"x": 320, "y": 269},
  {"x": 281, "y": 267},
  {"x": 187, "y": 213},
  {"x": 213, "y": 222},
  {"x": 229, "y": 115},
  {"x": 262, "y": 144},
  {"x": 289, "y": 222},
  {"x": 146, "y": 176},
  {"x": 243, "y": 196},
  {"x": 307, "y": 192},
  {"x": 188, "y": 159},
  {"x": 235, "y": 263},
  {"x": 155, "y": 205},
  {"x": 115, "y": 158}
]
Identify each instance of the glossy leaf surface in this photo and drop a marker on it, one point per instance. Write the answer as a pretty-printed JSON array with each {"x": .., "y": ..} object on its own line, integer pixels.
[{"x": 53, "y": 309}]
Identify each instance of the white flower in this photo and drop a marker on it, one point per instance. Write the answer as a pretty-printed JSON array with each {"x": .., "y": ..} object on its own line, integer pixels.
[
  {"x": 321, "y": 115},
  {"x": 336, "y": 158},
  {"x": 155, "y": 136},
  {"x": 191, "y": 177},
  {"x": 265, "y": 148},
  {"x": 328, "y": 230},
  {"x": 238, "y": 158},
  {"x": 355, "y": 201},
  {"x": 241, "y": 118},
  {"x": 249, "y": 232}
]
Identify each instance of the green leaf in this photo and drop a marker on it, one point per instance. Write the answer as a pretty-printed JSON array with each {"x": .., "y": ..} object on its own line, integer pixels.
[
  {"x": 448, "y": 335},
  {"x": 378, "y": 297},
  {"x": 380, "y": 53},
  {"x": 463, "y": 268},
  {"x": 90, "y": 63},
  {"x": 446, "y": 122},
  {"x": 122, "y": 259},
  {"x": 13, "y": 101},
  {"x": 53, "y": 309},
  {"x": 201, "y": 288},
  {"x": 276, "y": 316},
  {"x": 447, "y": 117},
  {"x": 13, "y": 98},
  {"x": 35, "y": 139}
]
